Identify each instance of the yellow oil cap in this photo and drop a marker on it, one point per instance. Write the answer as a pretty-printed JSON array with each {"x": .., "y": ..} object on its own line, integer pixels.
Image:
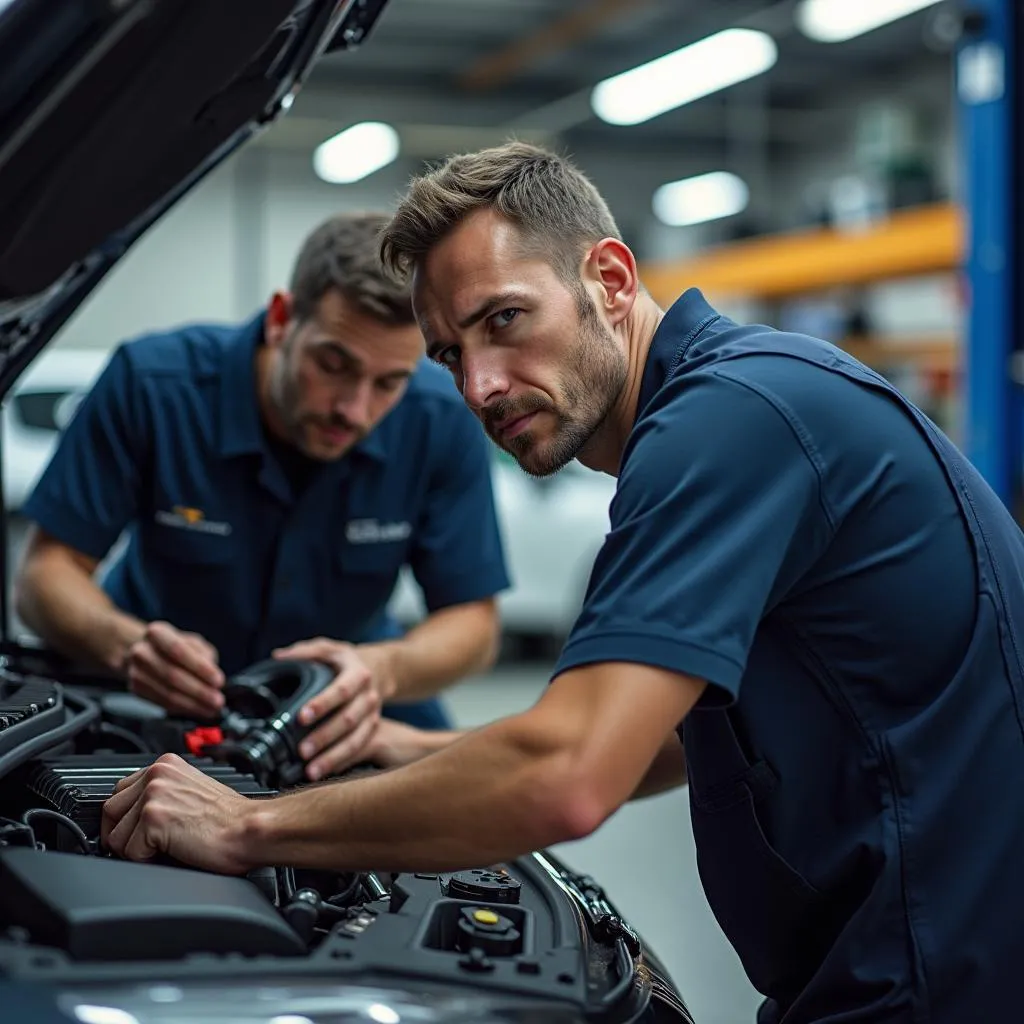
[{"x": 485, "y": 917}]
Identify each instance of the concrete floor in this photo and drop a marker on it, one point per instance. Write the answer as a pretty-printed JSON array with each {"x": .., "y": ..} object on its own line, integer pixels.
[{"x": 644, "y": 858}]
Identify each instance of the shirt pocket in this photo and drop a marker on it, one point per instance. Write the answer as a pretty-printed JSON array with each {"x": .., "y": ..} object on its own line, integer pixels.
[
  {"x": 384, "y": 559},
  {"x": 364, "y": 577},
  {"x": 190, "y": 546},
  {"x": 778, "y": 922}
]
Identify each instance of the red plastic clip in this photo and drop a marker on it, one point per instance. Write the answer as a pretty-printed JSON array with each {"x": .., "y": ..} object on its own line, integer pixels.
[{"x": 204, "y": 736}]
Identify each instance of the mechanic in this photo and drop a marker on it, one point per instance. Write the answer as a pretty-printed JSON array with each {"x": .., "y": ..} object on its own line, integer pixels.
[
  {"x": 805, "y": 584},
  {"x": 273, "y": 478}
]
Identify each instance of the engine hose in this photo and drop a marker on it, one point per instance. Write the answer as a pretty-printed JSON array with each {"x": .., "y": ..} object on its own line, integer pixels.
[
  {"x": 60, "y": 819},
  {"x": 118, "y": 731}
]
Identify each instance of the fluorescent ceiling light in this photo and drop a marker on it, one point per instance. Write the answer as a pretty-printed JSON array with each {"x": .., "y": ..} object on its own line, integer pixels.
[
  {"x": 356, "y": 152},
  {"x": 835, "y": 21},
  {"x": 88, "y": 1014},
  {"x": 696, "y": 200},
  {"x": 683, "y": 76}
]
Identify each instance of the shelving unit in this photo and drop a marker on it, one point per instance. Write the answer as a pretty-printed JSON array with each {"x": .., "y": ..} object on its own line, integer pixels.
[
  {"x": 978, "y": 239},
  {"x": 934, "y": 355},
  {"x": 924, "y": 240},
  {"x": 927, "y": 240}
]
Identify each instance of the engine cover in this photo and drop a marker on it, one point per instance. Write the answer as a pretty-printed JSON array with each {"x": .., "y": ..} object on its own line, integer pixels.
[{"x": 99, "y": 909}]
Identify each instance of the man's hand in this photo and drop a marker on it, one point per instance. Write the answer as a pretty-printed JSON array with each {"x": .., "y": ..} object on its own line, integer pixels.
[
  {"x": 352, "y": 700},
  {"x": 395, "y": 743},
  {"x": 176, "y": 670},
  {"x": 173, "y": 808}
]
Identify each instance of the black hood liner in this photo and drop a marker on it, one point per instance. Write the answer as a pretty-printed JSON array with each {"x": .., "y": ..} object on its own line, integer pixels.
[{"x": 175, "y": 80}]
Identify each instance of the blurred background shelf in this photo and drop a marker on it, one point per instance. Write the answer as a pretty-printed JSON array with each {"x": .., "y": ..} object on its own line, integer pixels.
[
  {"x": 928, "y": 354},
  {"x": 923, "y": 240}
]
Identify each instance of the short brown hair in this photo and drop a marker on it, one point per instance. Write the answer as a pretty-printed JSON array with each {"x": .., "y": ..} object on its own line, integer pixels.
[
  {"x": 556, "y": 206},
  {"x": 343, "y": 254}
]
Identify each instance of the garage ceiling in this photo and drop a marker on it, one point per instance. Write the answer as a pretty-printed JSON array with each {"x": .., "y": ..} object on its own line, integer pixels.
[
  {"x": 454, "y": 75},
  {"x": 438, "y": 68}
]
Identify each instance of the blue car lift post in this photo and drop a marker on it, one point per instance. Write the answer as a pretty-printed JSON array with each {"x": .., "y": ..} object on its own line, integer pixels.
[{"x": 989, "y": 93}]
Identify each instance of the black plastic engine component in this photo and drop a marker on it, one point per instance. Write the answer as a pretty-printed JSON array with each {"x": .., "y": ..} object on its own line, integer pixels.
[
  {"x": 261, "y": 719},
  {"x": 29, "y": 706},
  {"x": 487, "y": 886},
  {"x": 486, "y": 929},
  {"x": 457, "y": 928},
  {"x": 97, "y": 908},
  {"x": 78, "y": 785}
]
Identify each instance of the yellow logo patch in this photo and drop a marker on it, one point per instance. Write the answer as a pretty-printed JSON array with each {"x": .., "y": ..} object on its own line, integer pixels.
[
  {"x": 190, "y": 515},
  {"x": 184, "y": 517}
]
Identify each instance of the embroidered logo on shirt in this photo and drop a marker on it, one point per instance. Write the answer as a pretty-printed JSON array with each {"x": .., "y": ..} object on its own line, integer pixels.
[
  {"x": 372, "y": 531},
  {"x": 183, "y": 517}
]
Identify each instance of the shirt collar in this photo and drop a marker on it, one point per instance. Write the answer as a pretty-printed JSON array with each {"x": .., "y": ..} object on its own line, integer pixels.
[
  {"x": 679, "y": 327},
  {"x": 241, "y": 431}
]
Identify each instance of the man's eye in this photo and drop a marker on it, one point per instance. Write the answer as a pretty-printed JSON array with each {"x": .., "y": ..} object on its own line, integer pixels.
[
  {"x": 505, "y": 316},
  {"x": 330, "y": 364}
]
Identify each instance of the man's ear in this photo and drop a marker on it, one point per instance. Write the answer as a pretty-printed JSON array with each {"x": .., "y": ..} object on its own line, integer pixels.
[
  {"x": 278, "y": 318},
  {"x": 610, "y": 274}
]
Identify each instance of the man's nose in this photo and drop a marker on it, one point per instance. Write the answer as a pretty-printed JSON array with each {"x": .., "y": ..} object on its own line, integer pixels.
[
  {"x": 355, "y": 403},
  {"x": 482, "y": 383}
]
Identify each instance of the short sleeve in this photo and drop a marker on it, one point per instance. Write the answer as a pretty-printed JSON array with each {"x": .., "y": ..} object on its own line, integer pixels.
[
  {"x": 89, "y": 490},
  {"x": 717, "y": 513},
  {"x": 457, "y": 552}
]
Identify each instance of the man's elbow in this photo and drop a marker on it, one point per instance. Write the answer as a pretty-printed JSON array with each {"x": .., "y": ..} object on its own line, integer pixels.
[
  {"x": 584, "y": 804},
  {"x": 583, "y": 817},
  {"x": 554, "y": 797},
  {"x": 582, "y": 811},
  {"x": 576, "y": 807}
]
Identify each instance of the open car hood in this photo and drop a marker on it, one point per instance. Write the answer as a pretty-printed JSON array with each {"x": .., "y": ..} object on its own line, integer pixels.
[{"x": 111, "y": 110}]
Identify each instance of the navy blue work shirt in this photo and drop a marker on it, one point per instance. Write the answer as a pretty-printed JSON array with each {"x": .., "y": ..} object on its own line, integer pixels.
[
  {"x": 169, "y": 445},
  {"x": 791, "y": 530}
]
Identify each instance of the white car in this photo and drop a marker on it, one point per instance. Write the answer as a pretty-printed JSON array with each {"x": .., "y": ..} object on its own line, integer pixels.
[
  {"x": 552, "y": 529},
  {"x": 38, "y": 408}
]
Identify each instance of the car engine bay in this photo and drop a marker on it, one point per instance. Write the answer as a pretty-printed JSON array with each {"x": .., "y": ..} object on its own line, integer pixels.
[{"x": 72, "y": 914}]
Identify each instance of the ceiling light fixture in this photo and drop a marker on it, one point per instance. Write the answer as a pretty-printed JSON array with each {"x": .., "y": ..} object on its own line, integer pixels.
[
  {"x": 698, "y": 200},
  {"x": 683, "y": 76},
  {"x": 356, "y": 153},
  {"x": 835, "y": 21}
]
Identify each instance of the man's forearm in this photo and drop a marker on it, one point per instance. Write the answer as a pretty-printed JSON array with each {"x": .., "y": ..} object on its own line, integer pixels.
[
  {"x": 510, "y": 799},
  {"x": 449, "y": 644},
  {"x": 667, "y": 771},
  {"x": 61, "y": 603}
]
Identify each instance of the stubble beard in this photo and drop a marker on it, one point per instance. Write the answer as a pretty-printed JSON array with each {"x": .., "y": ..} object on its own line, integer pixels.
[{"x": 593, "y": 379}]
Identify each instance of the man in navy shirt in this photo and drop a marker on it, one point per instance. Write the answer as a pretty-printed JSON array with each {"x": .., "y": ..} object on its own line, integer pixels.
[
  {"x": 805, "y": 585},
  {"x": 273, "y": 479}
]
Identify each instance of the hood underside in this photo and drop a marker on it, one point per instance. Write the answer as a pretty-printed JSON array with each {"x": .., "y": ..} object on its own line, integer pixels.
[{"x": 111, "y": 110}]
